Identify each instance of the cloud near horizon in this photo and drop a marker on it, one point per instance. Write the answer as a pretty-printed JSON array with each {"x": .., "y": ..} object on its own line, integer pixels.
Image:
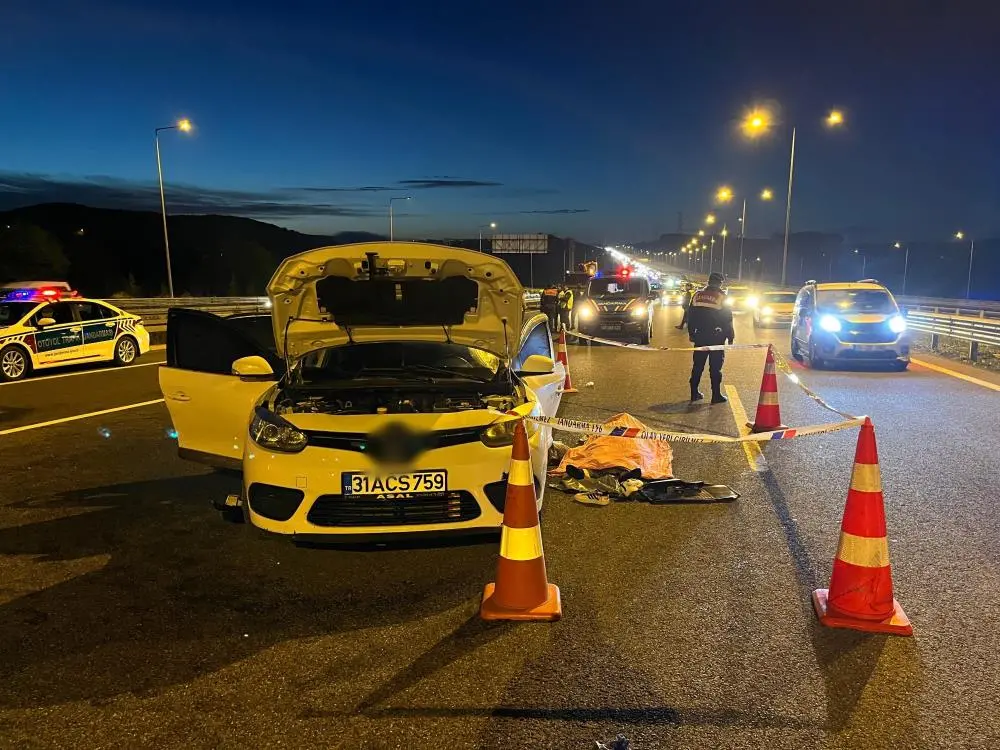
[{"x": 430, "y": 183}]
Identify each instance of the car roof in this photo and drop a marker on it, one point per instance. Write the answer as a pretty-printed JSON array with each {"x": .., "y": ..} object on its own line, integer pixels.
[{"x": 846, "y": 286}]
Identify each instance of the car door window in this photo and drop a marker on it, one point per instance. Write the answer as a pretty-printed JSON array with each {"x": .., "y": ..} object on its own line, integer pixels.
[
  {"x": 60, "y": 312},
  {"x": 91, "y": 311},
  {"x": 537, "y": 341},
  {"x": 204, "y": 342}
]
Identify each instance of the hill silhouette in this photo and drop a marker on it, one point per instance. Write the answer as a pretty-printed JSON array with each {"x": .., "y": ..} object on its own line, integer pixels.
[{"x": 108, "y": 251}]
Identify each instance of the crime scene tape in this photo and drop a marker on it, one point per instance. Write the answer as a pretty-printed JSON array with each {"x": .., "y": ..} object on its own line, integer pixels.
[
  {"x": 595, "y": 428},
  {"x": 647, "y": 348},
  {"x": 780, "y": 361}
]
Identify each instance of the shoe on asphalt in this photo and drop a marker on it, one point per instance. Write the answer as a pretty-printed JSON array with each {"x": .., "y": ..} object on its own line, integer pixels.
[
  {"x": 592, "y": 498},
  {"x": 679, "y": 328},
  {"x": 718, "y": 398},
  {"x": 696, "y": 395}
]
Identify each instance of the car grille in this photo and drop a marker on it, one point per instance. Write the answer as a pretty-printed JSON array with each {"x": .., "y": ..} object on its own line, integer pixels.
[
  {"x": 336, "y": 510},
  {"x": 866, "y": 333},
  {"x": 361, "y": 442}
]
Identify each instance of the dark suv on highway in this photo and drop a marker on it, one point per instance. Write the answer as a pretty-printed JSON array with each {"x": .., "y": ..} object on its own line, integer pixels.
[{"x": 617, "y": 307}]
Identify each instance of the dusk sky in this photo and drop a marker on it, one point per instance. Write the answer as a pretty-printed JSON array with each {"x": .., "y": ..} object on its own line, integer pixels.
[{"x": 595, "y": 120}]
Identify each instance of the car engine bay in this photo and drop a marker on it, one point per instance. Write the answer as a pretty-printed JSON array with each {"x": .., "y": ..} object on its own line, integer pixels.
[{"x": 409, "y": 399}]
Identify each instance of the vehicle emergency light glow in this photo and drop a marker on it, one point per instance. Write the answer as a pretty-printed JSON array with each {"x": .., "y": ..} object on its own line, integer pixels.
[
  {"x": 897, "y": 324},
  {"x": 752, "y": 301},
  {"x": 829, "y": 323}
]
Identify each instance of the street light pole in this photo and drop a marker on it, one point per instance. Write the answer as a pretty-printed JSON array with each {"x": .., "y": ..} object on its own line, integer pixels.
[
  {"x": 743, "y": 231},
  {"x": 906, "y": 263},
  {"x": 968, "y": 287},
  {"x": 395, "y": 198},
  {"x": 788, "y": 210},
  {"x": 184, "y": 126},
  {"x": 493, "y": 225},
  {"x": 725, "y": 232}
]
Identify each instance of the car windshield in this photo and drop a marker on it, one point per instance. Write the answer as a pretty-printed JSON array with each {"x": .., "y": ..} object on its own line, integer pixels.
[
  {"x": 399, "y": 360},
  {"x": 602, "y": 288},
  {"x": 12, "y": 312},
  {"x": 779, "y": 298},
  {"x": 855, "y": 300}
]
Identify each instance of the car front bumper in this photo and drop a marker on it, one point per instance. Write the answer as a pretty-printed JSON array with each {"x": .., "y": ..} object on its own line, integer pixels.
[
  {"x": 300, "y": 494},
  {"x": 611, "y": 324},
  {"x": 831, "y": 347}
]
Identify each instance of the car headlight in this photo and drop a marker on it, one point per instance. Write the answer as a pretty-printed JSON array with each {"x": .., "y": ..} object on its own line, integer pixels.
[
  {"x": 729, "y": 301},
  {"x": 752, "y": 302},
  {"x": 767, "y": 310},
  {"x": 638, "y": 311},
  {"x": 586, "y": 312},
  {"x": 501, "y": 434},
  {"x": 897, "y": 324},
  {"x": 270, "y": 431},
  {"x": 829, "y": 323}
]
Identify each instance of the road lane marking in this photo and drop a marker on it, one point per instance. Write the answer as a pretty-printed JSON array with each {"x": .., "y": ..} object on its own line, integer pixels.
[
  {"x": 755, "y": 458},
  {"x": 956, "y": 374},
  {"x": 75, "y": 417},
  {"x": 83, "y": 372}
]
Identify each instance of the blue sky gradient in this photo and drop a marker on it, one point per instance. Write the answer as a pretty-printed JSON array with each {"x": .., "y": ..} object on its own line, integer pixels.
[{"x": 596, "y": 121}]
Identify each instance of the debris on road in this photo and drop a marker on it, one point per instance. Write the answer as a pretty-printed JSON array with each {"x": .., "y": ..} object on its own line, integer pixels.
[
  {"x": 620, "y": 743},
  {"x": 589, "y": 384},
  {"x": 556, "y": 452}
]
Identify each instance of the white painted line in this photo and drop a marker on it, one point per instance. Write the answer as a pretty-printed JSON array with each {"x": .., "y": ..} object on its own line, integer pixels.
[
  {"x": 956, "y": 374},
  {"x": 755, "y": 458},
  {"x": 82, "y": 372},
  {"x": 75, "y": 417}
]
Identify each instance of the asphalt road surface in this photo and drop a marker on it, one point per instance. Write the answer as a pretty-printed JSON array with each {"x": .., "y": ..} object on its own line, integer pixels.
[{"x": 131, "y": 615}]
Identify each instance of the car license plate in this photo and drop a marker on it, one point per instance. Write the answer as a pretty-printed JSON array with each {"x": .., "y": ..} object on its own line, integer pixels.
[
  {"x": 431, "y": 481},
  {"x": 611, "y": 326}
]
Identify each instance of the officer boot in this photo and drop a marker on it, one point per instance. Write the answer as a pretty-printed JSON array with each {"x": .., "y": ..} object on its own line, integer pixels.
[
  {"x": 696, "y": 395},
  {"x": 717, "y": 397}
]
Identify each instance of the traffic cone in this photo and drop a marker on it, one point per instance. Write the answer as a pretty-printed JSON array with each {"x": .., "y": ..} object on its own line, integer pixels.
[
  {"x": 562, "y": 356},
  {"x": 768, "y": 411},
  {"x": 860, "y": 594},
  {"x": 521, "y": 591}
]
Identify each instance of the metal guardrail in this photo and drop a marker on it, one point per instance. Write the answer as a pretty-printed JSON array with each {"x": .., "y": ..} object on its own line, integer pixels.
[
  {"x": 975, "y": 329},
  {"x": 153, "y": 311}
]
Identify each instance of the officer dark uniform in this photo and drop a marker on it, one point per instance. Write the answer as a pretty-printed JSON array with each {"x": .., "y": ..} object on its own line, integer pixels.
[
  {"x": 549, "y": 304},
  {"x": 686, "y": 304},
  {"x": 566, "y": 306},
  {"x": 710, "y": 322}
]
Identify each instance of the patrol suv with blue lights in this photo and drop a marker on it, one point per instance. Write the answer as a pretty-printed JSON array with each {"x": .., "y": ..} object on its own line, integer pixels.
[
  {"x": 849, "y": 321},
  {"x": 47, "y": 326}
]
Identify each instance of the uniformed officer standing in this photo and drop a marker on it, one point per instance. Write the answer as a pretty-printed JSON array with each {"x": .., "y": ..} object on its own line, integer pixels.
[
  {"x": 566, "y": 306},
  {"x": 710, "y": 323},
  {"x": 549, "y": 304}
]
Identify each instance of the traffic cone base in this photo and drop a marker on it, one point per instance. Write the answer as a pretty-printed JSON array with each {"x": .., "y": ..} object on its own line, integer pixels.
[
  {"x": 562, "y": 356},
  {"x": 896, "y": 624},
  {"x": 548, "y": 611}
]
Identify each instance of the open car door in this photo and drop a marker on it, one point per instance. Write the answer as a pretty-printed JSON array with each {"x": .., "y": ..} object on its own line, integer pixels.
[{"x": 209, "y": 406}]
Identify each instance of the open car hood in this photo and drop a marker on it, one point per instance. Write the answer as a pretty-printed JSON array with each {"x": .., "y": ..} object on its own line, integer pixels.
[{"x": 393, "y": 291}]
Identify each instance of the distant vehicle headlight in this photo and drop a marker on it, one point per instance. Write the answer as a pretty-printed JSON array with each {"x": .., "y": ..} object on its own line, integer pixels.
[
  {"x": 639, "y": 311},
  {"x": 586, "y": 311},
  {"x": 767, "y": 310},
  {"x": 829, "y": 323},
  {"x": 897, "y": 324},
  {"x": 752, "y": 302},
  {"x": 729, "y": 301},
  {"x": 270, "y": 431}
]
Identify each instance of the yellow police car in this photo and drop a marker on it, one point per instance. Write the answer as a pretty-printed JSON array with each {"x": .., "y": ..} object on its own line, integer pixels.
[
  {"x": 49, "y": 326},
  {"x": 849, "y": 321}
]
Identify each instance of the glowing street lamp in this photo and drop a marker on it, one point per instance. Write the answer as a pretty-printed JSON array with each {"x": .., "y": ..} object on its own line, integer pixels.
[
  {"x": 710, "y": 219},
  {"x": 766, "y": 194},
  {"x": 183, "y": 125},
  {"x": 756, "y": 122},
  {"x": 701, "y": 232},
  {"x": 724, "y": 194},
  {"x": 491, "y": 225},
  {"x": 835, "y": 118}
]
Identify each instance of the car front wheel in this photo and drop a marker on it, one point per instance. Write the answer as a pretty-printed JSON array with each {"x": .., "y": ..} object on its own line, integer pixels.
[
  {"x": 14, "y": 363},
  {"x": 126, "y": 351}
]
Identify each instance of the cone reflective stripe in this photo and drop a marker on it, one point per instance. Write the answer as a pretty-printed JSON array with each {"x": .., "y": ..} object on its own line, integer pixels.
[
  {"x": 563, "y": 356},
  {"x": 860, "y": 594},
  {"x": 522, "y": 590},
  {"x": 768, "y": 415}
]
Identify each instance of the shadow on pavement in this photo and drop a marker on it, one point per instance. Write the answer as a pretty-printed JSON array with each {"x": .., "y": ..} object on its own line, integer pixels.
[
  {"x": 184, "y": 594},
  {"x": 848, "y": 658}
]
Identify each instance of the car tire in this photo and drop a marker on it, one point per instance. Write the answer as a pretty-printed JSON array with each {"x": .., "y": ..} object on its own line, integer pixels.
[
  {"x": 900, "y": 366},
  {"x": 126, "y": 351},
  {"x": 794, "y": 348},
  {"x": 815, "y": 361},
  {"x": 646, "y": 335},
  {"x": 15, "y": 363}
]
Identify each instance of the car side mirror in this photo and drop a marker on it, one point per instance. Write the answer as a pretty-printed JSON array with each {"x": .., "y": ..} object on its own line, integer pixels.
[
  {"x": 537, "y": 364},
  {"x": 43, "y": 322},
  {"x": 252, "y": 367}
]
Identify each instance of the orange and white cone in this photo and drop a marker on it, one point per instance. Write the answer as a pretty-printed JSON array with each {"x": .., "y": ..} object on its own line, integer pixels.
[
  {"x": 860, "y": 595},
  {"x": 768, "y": 415},
  {"x": 522, "y": 590},
  {"x": 562, "y": 356}
]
